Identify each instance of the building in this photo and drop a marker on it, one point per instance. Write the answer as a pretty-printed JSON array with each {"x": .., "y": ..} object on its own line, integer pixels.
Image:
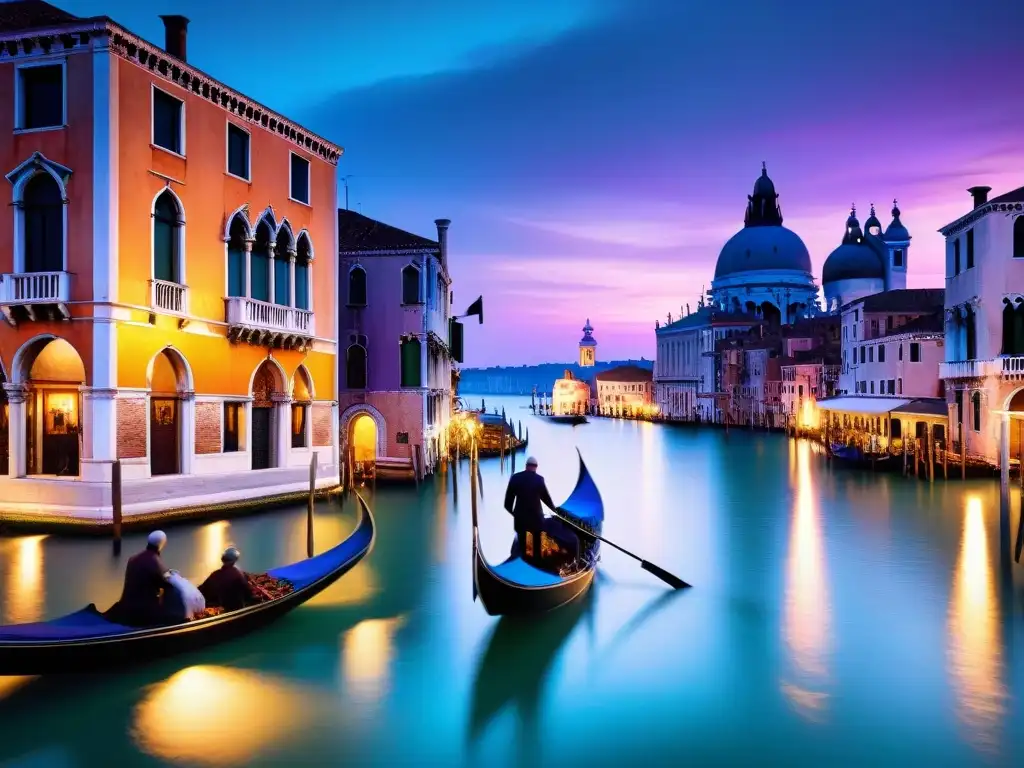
[
  {"x": 570, "y": 395},
  {"x": 983, "y": 371},
  {"x": 765, "y": 269},
  {"x": 625, "y": 390},
  {"x": 163, "y": 301},
  {"x": 395, "y": 391},
  {"x": 867, "y": 261},
  {"x": 588, "y": 347}
]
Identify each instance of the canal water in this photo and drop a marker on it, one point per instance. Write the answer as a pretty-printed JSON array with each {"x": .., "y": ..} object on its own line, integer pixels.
[{"x": 837, "y": 618}]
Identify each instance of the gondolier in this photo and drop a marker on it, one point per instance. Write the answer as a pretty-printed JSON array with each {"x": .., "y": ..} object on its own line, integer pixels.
[{"x": 523, "y": 498}]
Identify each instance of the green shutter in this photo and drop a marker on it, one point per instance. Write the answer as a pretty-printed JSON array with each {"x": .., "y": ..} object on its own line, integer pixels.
[
  {"x": 411, "y": 363},
  {"x": 455, "y": 329}
]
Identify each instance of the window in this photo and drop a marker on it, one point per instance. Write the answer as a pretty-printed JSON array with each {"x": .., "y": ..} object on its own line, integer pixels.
[
  {"x": 300, "y": 179},
  {"x": 956, "y": 256},
  {"x": 958, "y": 397},
  {"x": 899, "y": 386},
  {"x": 167, "y": 227},
  {"x": 357, "y": 287},
  {"x": 874, "y": 328},
  {"x": 897, "y": 257},
  {"x": 238, "y": 152},
  {"x": 411, "y": 375},
  {"x": 970, "y": 248},
  {"x": 976, "y": 407},
  {"x": 282, "y": 269},
  {"x": 892, "y": 386},
  {"x": 303, "y": 259},
  {"x": 871, "y": 354},
  {"x": 1018, "y": 237},
  {"x": 881, "y": 353},
  {"x": 168, "y": 122},
  {"x": 863, "y": 355},
  {"x": 237, "y": 237},
  {"x": 43, "y": 209},
  {"x": 299, "y": 415},
  {"x": 234, "y": 417},
  {"x": 888, "y": 322},
  {"x": 881, "y": 386},
  {"x": 40, "y": 97},
  {"x": 915, "y": 352},
  {"x": 355, "y": 367},
  {"x": 411, "y": 285},
  {"x": 971, "y": 340},
  {"x": 899, "y": 354},
  {"x": 259, "y": 264},
  {"x": 872, "y": 387}
]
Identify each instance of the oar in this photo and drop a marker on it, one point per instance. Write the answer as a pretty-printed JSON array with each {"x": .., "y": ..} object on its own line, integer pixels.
[
  {"x": 1020, "y": 535},
  {"x": 673, "y": 581}
]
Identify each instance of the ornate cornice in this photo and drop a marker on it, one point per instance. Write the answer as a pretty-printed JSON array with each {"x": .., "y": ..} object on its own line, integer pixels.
[
  {"x": 966, "y": 221},
  {"x": 101, "y": 32}
]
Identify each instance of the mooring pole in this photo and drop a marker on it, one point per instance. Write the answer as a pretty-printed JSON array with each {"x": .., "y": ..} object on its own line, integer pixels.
[
  {"x": 115, "y": 503},
  {"x": 310, "y": 501}
]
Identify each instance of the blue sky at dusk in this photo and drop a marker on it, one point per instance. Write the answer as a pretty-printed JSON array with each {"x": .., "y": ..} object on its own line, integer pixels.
[{"x": 594, "y": 155}]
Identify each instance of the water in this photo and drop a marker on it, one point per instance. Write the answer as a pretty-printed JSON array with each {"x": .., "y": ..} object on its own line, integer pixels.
[{"x": 837, "y": 618}]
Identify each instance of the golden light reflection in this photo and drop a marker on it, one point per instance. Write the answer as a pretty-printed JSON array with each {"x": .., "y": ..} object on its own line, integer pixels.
[
  {"x": 364, "y": 438},
  {"x": 220, "y": 716},
  {"x": 975, "y": 655},
  {"x": 359, "y": 585},
  {"x": 807, "y": 611},
  {"x": 9, "y": 685},
  {"x": 367, "y": 651},
  {"x": 23, "y": 598},
  {"x": 809, "y": 415},
  {"x": 215, "y": 540}
]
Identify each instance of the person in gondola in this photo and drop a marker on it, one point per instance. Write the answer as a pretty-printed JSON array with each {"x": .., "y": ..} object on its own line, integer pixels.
[
  {"x": 146, "y": 581},
  {"x": 523, "y": 498},
  {"x": 227, "y": 587}
]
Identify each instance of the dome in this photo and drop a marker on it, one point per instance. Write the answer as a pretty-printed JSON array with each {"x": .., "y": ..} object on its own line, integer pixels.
[
  {"x": 763, "y": 248},
  {"x": 851, "y": 261},
  {"x": 896, "y": 232},
  {"x": 872, "y": 221},
  {"x": 764, "y": 186}
]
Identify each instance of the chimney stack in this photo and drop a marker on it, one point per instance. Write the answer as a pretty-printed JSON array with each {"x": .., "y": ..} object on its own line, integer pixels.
[
  {"x": 442, "y": 239},
  {"x": 980, "y": 195},
  {"x": 175, "y": 35}
]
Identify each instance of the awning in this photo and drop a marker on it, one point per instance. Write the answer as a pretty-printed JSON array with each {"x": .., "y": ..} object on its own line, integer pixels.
[
  {"x": 925, "y": 407},
  {"x": 851, "y": 404}
]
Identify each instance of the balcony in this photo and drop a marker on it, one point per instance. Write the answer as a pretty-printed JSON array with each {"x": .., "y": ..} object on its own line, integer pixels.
[
  {"x": 264, "y": 324},
  {"x": 166, "y": 296},
  {"x": 35, "y": 296}
]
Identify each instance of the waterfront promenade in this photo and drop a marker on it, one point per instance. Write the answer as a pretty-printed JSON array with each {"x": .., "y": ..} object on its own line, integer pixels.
[{"x": 837, "y": 618}]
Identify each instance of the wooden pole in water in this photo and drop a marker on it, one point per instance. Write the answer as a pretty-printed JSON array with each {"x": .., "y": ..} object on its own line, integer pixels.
[
  {"x": 931, "y": 456},
  {"x": 501, "y": 450},
  {"x": 945, "y": 459},
  {"x": 520, "y": 430},
  {"x": 513, "y": 462},
  {"x": 455, "y": 483},
  {"x": 309, "y": 504},
  {"x": 963, "y": 453},
  {"x": 416, "y": 464},
  {"x": 115, "y": 503},
  {"x": 472, "y": 478},
  {"x": 906, "y": 447}
]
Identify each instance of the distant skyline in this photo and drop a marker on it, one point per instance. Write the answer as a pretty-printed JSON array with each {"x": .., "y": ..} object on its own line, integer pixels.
[{"x": 594, "y": 155}]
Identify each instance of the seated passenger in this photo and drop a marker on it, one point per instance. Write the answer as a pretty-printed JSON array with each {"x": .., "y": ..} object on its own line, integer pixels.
[
  {"x": 145, "y": 581},
  {"x": 227, "y": 587},
  {"x": 182, "y": 601}
]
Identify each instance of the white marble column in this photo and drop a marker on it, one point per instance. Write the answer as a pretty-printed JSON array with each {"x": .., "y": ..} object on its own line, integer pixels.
[
  {"x": 270, "y": 251},
  {"x": 291, "y": 278},
  {"x": 283, "y": 437},
  {"x": 98, "y": 422},
  {"x": 187, "y": 428},
  {"x": 17, "y": 444},
  {"x": 248, "y": 268},
  {"x": 1004, "y": 473}
]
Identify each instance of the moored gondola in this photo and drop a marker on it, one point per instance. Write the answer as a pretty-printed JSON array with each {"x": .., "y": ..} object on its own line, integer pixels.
[
  {"x": 567, "y": 418},
  {"x": 86, "y": 641},
  {"x": 518, "y": 587}
]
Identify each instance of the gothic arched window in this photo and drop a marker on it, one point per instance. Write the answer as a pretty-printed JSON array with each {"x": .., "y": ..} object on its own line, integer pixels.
[
  {"x": 168, "y": 224},
  {"x": 357, "y": 287},
  {"x": 43, "y": 207}
]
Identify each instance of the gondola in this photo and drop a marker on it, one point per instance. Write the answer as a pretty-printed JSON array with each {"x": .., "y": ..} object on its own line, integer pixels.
[
  {"x": 569, "y": 418},
  {"x": 86, "y": 641},
  {"x": 852, "y": 457},
  {"x": 517, "y": 587}
]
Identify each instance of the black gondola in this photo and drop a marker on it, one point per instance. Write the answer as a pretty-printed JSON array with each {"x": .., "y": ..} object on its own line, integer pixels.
[
  {"x": 86, "y": 641},
  {"x": 517, "y": 587},
  {"x": 852, "y": 457},
  {"x": 569, "y": 418}
]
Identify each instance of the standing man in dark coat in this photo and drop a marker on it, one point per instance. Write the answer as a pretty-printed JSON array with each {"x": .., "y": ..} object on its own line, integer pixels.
[
  {"x": 526, "y": 491},
  {"x": 145, "y": 578}
]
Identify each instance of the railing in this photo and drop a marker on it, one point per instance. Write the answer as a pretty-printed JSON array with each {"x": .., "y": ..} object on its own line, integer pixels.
[
  {"x": 263, "y": 315},
  {"x": 168, "y": 296},
  {"x": 1012, "y": 366},
  {"x": 35, "y": 288},
  {"x": 965, "y": 369}
]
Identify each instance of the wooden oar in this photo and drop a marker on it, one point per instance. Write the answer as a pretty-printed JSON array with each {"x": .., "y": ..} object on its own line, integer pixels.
[{"x": 672, "y": 580}]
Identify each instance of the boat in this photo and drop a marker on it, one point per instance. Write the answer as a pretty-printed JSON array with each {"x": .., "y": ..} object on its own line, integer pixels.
[
  {"x": 853, "y": 457},
  {"x": 568, "y": 418},
  {"x": 517, "y": 587},
  {"x": 86, "y": 641}
]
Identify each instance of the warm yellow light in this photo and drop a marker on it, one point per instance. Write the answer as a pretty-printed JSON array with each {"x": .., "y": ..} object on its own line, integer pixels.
[
  {"x": 367, "y": 650},
  {"x": 220, "y": 716},
  {"x": 471, "y": 427},
  {"x": 364, "y": 438},
  {"x": 23, "y": 601}
]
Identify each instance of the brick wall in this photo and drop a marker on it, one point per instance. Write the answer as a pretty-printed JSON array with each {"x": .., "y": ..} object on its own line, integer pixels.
[
  {"x": 321, "y": 424},
  {"x": 402, "y": 412},
  {"x": 208, "y": 427},
  {"x": 131, "y": 429}
]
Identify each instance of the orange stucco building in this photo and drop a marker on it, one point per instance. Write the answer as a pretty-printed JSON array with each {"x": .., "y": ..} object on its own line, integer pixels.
[{"x": 168, "y": 277}]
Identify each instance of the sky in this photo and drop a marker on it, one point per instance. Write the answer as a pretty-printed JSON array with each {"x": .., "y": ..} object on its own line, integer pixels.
[{"x": 595, "y": 155}]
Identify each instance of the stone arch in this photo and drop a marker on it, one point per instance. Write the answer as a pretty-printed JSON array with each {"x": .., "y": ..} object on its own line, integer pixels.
[
  {"x": 28, "y": 353},
  {"x": 303, "y": 238},
  {"x": 170, "y": 384},
  {"x": 269, "y": 218},
  {"x": 285, "y": 228},
  {"x": 267, "y": 379},
  {"x": 240, "y": 214},
  {"x": 301, "y": 380},
  {"x": 184, "y": 382},
  {"x": 348, "y": 417}
]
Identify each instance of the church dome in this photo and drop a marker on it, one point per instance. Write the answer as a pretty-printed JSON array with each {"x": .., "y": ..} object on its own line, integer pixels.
[
  {"x": 873, "y": 226},
  {"x": 763, "y": 248},
  {"x": 851, "y": 261},
  {"x": 896, "y": 232}
]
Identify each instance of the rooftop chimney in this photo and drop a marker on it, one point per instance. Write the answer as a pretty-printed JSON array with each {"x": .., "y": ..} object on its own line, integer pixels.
[
  {"x": 442, "y": 239},
  {"x": 980, "y": 195},
  {"x": 175, "y": 35}
]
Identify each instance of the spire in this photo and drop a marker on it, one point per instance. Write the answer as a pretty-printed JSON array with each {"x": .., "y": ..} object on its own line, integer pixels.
[
  {"x": 763, "y": 206},
  {"x": 895, "y": 210},
  {"x": 853, "y": 235},
  {"x": 896, "y": 231}
]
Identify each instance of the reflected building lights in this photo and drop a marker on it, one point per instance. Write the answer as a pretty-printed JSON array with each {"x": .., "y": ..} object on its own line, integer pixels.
[
  {"x": 975, "y": 652},
  {"x": 24, "y": 587},
  {"x": 366, "y": 653},
  {"x": 215, "y": 540},
  {"x": 806, "y": 627}
]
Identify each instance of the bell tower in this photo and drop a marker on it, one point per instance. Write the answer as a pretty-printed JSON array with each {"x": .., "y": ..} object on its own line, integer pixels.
[{"x": 588, "y": 347}]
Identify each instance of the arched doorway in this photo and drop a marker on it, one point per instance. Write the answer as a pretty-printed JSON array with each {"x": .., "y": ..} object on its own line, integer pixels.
[
  {"x": 53, "y": 373},
  {"x": 168, "y": 383},
  {"x": 364, "y": 446},
  {"x": 267, "y": 390}
]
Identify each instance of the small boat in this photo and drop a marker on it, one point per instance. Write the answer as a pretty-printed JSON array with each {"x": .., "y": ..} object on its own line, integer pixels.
[
  {"x": 518, "y": 587},
  {"x": 569, "y": 418},
  {"x": 86, "y": 641},
  {"x": 853, "y": 457}
]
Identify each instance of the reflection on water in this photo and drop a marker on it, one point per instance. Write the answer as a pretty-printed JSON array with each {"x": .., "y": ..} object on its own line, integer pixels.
[
  {"x": 219, "y": 716},
  {"x": 975, "y": 655},
  {"x": 214, "y": 538},
  {"x": 367, "y": 651},
  {"x": 24, "y": 585},
  {"x": 807, "y": 611},
  {"x": 8, "y": 685}
]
